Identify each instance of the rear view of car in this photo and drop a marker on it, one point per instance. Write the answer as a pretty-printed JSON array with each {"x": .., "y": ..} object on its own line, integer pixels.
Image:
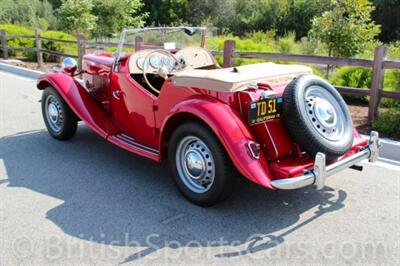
[
  {"x": 301, "y": 127},
  {"x": 277, "y": 125}
]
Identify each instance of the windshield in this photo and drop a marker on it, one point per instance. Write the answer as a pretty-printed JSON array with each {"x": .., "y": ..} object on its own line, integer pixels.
[{"x": 168, "y": 38}]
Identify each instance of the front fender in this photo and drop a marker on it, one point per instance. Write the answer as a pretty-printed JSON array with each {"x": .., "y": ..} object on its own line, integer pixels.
[
  {"x": 77, "y": 99},
  {"x": 230, "y": 129}
]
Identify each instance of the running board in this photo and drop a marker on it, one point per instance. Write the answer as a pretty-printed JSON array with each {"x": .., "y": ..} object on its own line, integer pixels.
[{"x": 128, "y": 143}]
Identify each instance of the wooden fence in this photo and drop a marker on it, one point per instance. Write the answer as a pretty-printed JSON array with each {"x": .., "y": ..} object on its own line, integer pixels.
[{"x": 378, "y": 65}]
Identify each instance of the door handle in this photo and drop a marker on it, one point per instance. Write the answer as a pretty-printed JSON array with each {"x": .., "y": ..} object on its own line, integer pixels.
[{"x": 117, "y": 94}]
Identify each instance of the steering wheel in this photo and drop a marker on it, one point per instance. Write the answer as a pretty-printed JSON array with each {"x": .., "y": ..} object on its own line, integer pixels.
[{"x": 146, "y": 66}]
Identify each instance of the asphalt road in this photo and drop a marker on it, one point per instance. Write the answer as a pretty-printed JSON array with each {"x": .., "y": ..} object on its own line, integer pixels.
[{"x": 86, "y": 201}]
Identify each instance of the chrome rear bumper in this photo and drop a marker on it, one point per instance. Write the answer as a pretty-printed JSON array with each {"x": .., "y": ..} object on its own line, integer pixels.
[{"x": 321, "y": 171}]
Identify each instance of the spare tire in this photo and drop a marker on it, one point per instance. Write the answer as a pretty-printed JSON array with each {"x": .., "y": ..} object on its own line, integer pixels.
[{"x": 317, "y": 117}]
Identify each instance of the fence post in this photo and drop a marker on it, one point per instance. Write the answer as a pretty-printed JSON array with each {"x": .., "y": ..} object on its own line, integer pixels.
[
  {"x": 3, "y": 36},
  {"x": 229, "y": 51},
  {"x": 39, "y": 54},
  {"x": 81, "y": 49},
  {"x": 377, "y": 82}
]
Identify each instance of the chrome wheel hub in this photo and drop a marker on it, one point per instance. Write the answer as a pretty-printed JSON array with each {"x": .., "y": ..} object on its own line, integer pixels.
[
  {"x": 195, "y": 164},
  {"x": 53, "y": 113},
  {"x": 325, "y": 113}
]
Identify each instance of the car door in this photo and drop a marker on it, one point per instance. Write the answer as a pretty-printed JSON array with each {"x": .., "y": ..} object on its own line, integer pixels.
[{"x": 132, "y": 109}]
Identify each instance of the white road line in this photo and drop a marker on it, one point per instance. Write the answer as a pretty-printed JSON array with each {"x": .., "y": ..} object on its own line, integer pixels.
[
  {"x": 390, "y": 142},
  {"x": 386, "y": 160},
  {"x": 11, "y": 75},
  {"x": 383, "y": 164},
  {"x": 384, "y": 140}
]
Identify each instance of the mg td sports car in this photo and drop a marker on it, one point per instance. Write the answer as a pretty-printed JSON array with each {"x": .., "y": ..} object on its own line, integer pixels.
[{"x": 164, "y": 96}]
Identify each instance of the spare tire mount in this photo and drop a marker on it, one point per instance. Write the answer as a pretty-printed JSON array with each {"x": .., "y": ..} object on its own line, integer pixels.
[{"x": 317, "y": 117}]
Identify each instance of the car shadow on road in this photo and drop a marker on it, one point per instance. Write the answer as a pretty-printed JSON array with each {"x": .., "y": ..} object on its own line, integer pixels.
[{"x": 115, "y": 198}]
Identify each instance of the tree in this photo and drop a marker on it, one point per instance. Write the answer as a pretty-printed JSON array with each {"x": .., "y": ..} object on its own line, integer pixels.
[
  {"x": 114, "y": 15},
  {"x": 387, "y": 14},
  {"x": 75, "y": 16},
  {"x": 33, "y": 13},
  {"x": 347, "y": 29},
  {"x": 261, "y": 15},
  {"x": 55, "y": 3},
  {"x": 298, "y": 16},
  {"x": 257, "y": 15},
  {"x": 167, "y": 12}
]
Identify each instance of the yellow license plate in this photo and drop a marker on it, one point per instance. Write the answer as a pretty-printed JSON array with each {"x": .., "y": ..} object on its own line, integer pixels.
[{"x": 264, "y": 110}]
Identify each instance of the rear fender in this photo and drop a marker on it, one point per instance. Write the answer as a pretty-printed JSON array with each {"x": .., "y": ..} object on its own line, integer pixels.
[
  {"x": 77, "y": 99},
  {"x": 230, "y": 130}
]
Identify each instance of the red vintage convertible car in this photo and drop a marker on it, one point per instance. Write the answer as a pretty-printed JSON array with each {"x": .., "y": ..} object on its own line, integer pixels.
[{"x": 161, "y": 97}]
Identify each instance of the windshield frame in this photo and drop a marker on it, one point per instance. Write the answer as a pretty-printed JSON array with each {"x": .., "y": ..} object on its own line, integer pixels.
[{"x": 121, "y": 44}]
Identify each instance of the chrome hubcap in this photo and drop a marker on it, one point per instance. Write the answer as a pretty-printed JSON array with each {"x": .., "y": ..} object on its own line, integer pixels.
[
  {"x": 325, "y": 113},
  {"x": 53, "y": 113},
  {"x": 195, "y": 164}
]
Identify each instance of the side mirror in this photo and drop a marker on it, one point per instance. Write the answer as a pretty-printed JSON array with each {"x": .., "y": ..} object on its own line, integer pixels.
[
  {"x": 70, "y": 70},
  {"x": 69, "y": 65}
]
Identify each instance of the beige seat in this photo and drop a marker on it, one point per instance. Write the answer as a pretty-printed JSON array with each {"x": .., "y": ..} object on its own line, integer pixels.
[{"x": 230, "y": 80}]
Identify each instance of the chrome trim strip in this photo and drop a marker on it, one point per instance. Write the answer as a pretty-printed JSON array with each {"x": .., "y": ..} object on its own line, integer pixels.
[
  {"x": 272, "y": 140},
  {"x": 251, "y": 150},
  {"x": 131, "y": 141},
  {"x": 240, "y": 103},
  {"x": 321, "y": 171}
]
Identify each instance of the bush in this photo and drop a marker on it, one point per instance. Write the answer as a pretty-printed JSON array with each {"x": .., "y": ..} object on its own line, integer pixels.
[
  {"x": 317, "y": 72},
  {"x": 359, "y": 77},
  {"x": 259, "y": 42},
  {"x": 288, "y": 45},
  {"x": 19, "y": 42},
  {"x": 388, "y": 123},
  {"x": 394, "y": 50},
  {"x": 308, "y": 46},
  {"x": 391, "y": 83},
  {"x": 355, "y": 77},
  {"x": 266, "y": 37},
  {"x": 66, "y": 48},
  {"x": 392, "y": 77},
  {"x": 242, "y": 45},
  {"x": 30, "y": 42}
]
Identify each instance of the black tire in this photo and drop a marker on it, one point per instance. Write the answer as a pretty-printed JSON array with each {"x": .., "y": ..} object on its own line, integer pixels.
[
  {"x": 69, "y": 122},
  {"x": 306, "y": 129},
  {"x": 224, "y": 171}
]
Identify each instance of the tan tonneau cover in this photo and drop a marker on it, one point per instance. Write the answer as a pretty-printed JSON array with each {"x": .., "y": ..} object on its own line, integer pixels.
[{"x": 229, "y": 80}]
